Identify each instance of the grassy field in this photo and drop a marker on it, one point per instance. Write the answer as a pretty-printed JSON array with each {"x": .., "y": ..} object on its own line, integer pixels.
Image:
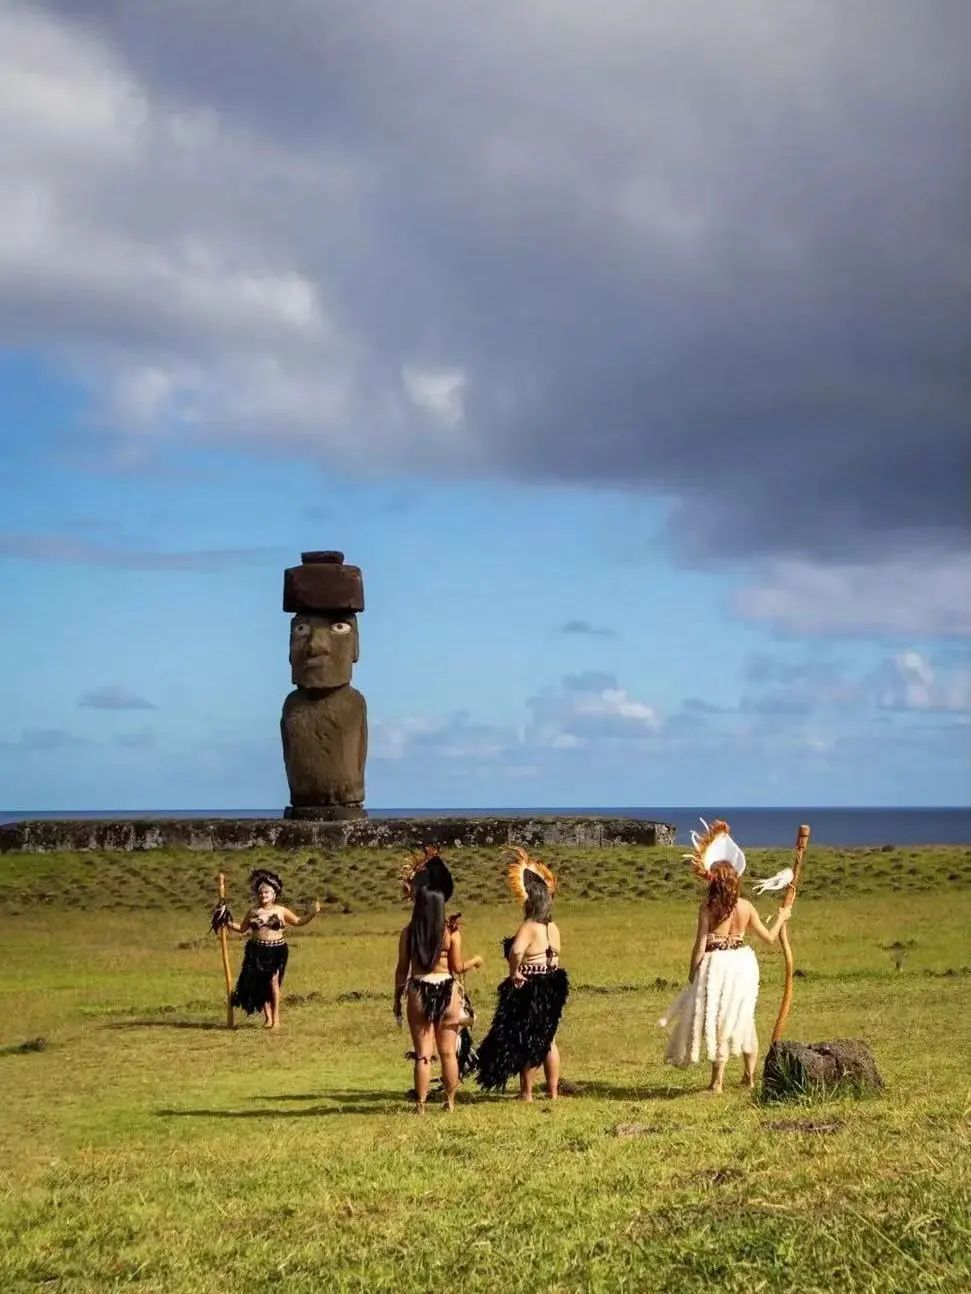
[{"x": 145, "y": 1145}]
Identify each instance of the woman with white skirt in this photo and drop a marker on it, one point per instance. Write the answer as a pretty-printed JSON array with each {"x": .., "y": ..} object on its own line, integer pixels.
[{"x": 716, "y": 1012}]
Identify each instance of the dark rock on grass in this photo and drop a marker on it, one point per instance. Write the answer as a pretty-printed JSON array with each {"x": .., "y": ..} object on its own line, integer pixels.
[
  {"x": 24, "y": 1048},
  {"x": 799, "y": 1069}
]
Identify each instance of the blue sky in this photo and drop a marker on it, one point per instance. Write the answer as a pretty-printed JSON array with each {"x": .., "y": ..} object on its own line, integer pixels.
[{"x": 651, "y": 442}]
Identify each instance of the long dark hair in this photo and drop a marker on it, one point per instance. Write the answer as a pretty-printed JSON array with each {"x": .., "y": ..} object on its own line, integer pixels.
[
  {"x": 426, "y": 929},
  {"x": 722, "y": 893},
  {"x": 539, "y": 901}
]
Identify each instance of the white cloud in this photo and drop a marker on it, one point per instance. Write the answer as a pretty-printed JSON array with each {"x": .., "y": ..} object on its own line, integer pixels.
[
  {"x": 586, "y": 708},
  {"x": 918, "y": 596},
  {"x": 909, "y": 681}
]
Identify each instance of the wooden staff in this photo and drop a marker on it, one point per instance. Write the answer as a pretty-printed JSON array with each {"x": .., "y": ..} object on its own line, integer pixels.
[
  {"x": 224, "y": 945},
  {"x": 802, "y": 840}
]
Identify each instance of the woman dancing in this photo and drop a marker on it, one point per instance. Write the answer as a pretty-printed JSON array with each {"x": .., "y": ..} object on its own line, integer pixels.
[
  {"x": 717, "y": 1009},
  {"x": 429, "y": 959},
  {"x": 266, "y": 954},
  {"x": 522, "y": 1036}
]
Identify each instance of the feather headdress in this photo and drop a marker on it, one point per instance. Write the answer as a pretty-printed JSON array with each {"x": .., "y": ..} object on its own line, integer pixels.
[
  {"x": 525, "y": 872},
  {"x": 263, "y": 876},
  {"x": 715, "y": 846},
  {"x": 427, "y": 868}
]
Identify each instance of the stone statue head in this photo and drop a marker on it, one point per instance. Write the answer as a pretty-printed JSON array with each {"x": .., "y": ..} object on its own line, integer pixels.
[{"x": 323, "y": 648}]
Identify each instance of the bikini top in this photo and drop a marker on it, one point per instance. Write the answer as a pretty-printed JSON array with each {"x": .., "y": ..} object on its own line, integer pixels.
[
  {"x": 547, "y": 960},
  {"x": 273, "y": 922}
]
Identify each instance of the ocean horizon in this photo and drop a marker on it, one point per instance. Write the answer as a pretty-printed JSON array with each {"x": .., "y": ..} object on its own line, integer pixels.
[{"x": 754, "y": 827}]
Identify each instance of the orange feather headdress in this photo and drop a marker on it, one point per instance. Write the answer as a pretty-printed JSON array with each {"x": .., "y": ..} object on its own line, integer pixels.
[{"x": 521, "y": 863}]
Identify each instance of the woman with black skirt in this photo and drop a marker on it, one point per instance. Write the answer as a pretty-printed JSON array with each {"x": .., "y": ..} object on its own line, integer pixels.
[
  {"x": 530, "y": 1001},
  {"x": 266, "y": 954},
  {"x": 430, "y": 961}
]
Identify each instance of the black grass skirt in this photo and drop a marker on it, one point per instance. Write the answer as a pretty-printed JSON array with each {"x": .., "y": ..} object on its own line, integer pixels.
[
  {"x": 261, "y": 961},
  {"x": 523, "y": 1027},
  {"x": 468, "y": 1057},
  {"x": 434, "y": 996}
]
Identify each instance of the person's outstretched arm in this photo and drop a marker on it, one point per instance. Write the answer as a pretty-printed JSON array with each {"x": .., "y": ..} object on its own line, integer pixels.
[
  {"x": 291, "y": 918},
  {"x": 240, "y": 927},
  {"x": 771, "y": 935}
]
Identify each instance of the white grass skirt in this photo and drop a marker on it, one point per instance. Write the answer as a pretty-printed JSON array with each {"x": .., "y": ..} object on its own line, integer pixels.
[{"x": 716, "y": 1010}]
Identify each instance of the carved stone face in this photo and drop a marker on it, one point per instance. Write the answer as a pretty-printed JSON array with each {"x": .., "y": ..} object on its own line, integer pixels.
[{"x": 323, "y": 649}]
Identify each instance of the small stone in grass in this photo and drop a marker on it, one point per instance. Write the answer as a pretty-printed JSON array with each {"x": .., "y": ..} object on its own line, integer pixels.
[{"x": 633, "y": 1130}]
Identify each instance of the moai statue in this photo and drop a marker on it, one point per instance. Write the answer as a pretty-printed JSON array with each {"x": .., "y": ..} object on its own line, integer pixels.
[{"x": 324, "y": 722}]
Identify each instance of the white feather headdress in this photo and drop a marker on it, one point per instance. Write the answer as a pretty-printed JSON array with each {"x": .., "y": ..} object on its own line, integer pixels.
[{"x": 715, "y": 846}]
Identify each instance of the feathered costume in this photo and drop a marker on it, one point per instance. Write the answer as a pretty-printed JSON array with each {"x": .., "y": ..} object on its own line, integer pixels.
[
  {"x": 716, "y": 1011},
  {"x": 527, "y": 1015},
  {"x": 429, "y": 869},
  {"x": 262, "y": 959}
]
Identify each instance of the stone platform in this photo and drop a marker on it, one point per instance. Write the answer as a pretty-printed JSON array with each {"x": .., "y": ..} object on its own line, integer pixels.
[{"x": 47, "y": 835}]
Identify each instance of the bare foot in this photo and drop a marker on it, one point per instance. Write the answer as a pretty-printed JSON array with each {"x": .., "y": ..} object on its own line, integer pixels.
[
  {"x": 748, "y": 1080},
  {"x": 714, "y": 1089},
  {"x": 420, "y": 1108},
  {"x": 525, "y": 1097}
]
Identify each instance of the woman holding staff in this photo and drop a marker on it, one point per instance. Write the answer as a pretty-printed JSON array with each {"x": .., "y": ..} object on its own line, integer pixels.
[
  {"x": 266, "y": 955},
  {"x": 717, "y": 1009},
  {"x": 430, "y": 962}
]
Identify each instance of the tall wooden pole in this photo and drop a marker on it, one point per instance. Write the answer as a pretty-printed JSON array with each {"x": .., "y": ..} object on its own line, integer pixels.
[
  {"x": 224, "y": 945},
  {"x": 802, "y": 840}
]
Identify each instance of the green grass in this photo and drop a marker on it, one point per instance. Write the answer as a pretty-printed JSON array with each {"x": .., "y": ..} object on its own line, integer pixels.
[{"x": 144, "y": 1145}]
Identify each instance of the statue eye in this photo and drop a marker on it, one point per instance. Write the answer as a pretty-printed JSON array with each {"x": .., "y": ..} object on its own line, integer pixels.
[
  {"x": 340, "y": 627},
  {"x": 301, "y": 629}
]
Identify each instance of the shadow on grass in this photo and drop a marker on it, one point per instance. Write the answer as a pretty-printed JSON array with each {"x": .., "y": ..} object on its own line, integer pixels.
[
  {"x": 390, "y": 1104},
  {"x": 396, "y": 1094},
  {"x": 168, "y": 1024},
  {"x": 627, "y": 1091},
  {"x": 573, "y": 1091}
]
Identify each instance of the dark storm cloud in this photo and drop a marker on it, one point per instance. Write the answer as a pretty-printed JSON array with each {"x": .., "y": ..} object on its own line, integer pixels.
[{"x": 718, "y": 253}]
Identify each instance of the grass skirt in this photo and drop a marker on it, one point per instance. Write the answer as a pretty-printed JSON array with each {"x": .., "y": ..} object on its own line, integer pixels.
[
  {"x": 434, "y": 996},
  {"x": 261, "y": 961},
  {"x": 523, "y": 1027},
  {"x": 716, "y": 1011},
  {"x": 468, "y": 1057}
]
